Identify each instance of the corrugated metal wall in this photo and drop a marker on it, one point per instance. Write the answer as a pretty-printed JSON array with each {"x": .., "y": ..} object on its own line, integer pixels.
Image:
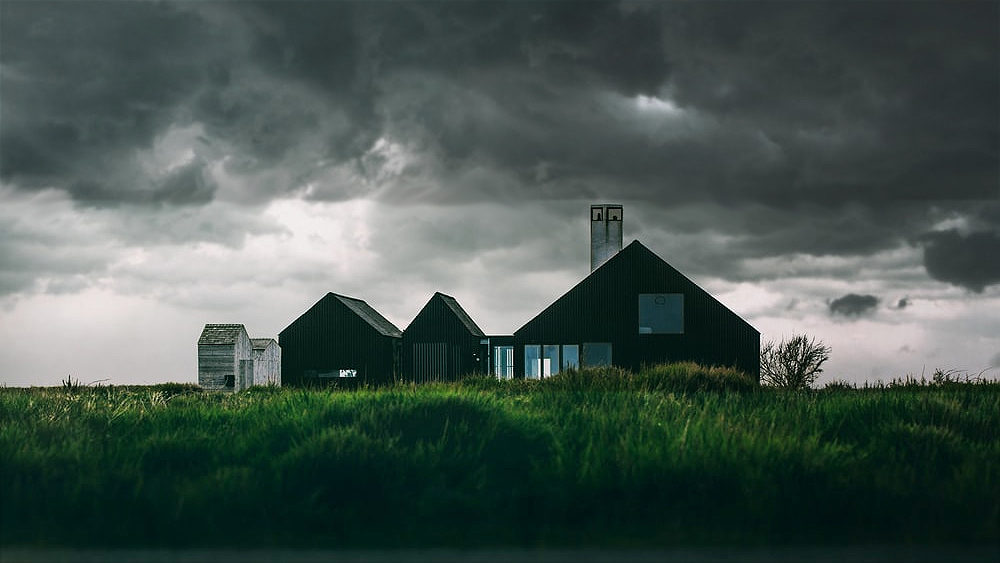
[
  {"x": 329, "y": 336},
  {"x": 604, "y": 308}
]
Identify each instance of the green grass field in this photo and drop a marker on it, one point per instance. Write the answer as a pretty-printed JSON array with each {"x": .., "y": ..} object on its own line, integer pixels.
[{"x": 673, "y": 456}]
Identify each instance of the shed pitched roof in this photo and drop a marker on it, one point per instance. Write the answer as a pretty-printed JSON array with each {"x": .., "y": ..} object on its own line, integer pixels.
[
  {"x": 369, "y": 315},
  {"x": 261, "y": 343},
  {"x": 221, "y": 333},
  {"x": 464, "y": 317}
]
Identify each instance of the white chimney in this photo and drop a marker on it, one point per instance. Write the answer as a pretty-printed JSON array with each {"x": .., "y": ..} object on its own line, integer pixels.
[{"x": 605, "y": 233}]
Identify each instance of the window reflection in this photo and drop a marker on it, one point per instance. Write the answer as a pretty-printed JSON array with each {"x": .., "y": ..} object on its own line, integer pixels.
[
  {"x": 503, "y": 362},
  {"x": 532, "y": 361},
  {"x": 550, "y": 360},
  {"x": 596, "y": 354},
  {"x": 570, "y": 356},
  {"x": 661, "y": 313}
]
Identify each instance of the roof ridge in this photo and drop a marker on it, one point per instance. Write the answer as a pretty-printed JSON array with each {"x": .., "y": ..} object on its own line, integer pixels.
[
  {"x": 367, "y": 313},
  {"x": 221, "y": 333},
  {"x": 461, "y": 313}
]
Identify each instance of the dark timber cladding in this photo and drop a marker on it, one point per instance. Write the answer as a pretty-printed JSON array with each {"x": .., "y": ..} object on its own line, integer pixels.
[
  {"x": 340, "y": 338},
  {"x": 442, "y": 342},
  {"x": 635, "y": 309}
]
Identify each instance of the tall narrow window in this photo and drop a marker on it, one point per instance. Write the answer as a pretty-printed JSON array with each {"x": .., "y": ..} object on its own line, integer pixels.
[
  {"x": 550, "y": 360},
  {"x": 596, "y": 354},
  {"x": 570, "y": 356},
  {"x": 532, "y": 361},
  {"x": 503, "y": 362}
]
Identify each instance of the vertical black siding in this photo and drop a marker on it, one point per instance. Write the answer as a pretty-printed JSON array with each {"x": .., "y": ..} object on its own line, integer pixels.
[
  {"x": 459, "y": 347},
  {"x": 604, "y": 308},
  {"x": 331, "y": 336}
]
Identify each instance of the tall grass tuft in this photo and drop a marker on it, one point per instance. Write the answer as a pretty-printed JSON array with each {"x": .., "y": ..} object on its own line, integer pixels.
[
  {"x": 689, "y": 377},
  {"x": 684, "y": 377}
]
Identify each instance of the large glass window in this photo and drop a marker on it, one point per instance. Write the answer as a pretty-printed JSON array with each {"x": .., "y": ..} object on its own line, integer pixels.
[
  {"x": 661, "y": 313},
  {"x": 570, "y": 356},
  {"x": 596, "y": 354},
  {"x": 550, "y": 360},
  {"x": 503, "y": 362},
  {"x": 532, "y": 361}
]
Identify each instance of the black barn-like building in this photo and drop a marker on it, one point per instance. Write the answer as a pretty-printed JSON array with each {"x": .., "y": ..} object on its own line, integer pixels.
[
  {"x": 635, "y": 309},
  {"x": 340, "y": 338},
  {"x": 443, "y": 343},
  {"x": 632, "y": 310}
]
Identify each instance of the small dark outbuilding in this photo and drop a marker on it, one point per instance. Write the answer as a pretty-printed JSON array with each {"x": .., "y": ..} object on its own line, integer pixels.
[
  {"x": 635, "y": 309},
  {"x": 443, "y": 343},
  {"x": 340, "y": 337}
]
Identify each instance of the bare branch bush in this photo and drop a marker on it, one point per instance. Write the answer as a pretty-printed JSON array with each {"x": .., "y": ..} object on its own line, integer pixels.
[{"x": 794, "y": 363}]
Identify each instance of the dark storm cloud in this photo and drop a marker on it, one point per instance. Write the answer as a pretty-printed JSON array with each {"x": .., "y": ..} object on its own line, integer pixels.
[
  {"x": 866, "y": 98},
  {"x": 903, "y": 303},
  {"x": 814, "y": 127},
  {"x": 842, "y": 119},
  {"x": 968, "y": 260},
  {"x": 853, "y": 305},
  {"x": 86, "y": 84},
  {"x": 777, "y": 103}
]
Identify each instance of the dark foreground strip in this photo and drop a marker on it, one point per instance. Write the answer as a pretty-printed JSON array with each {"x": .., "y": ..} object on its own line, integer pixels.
[{"x": 710, "y": 555}]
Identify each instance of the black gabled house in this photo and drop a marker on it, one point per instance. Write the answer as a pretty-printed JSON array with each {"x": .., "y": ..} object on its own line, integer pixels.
[
  {"x": 443, "y": 343},
  {"x": 340, "y": 339},
  {"x": 635, "y": 309}
]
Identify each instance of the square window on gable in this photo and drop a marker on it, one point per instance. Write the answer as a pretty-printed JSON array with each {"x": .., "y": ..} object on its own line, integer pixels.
[{"x": 661, "y": 313}]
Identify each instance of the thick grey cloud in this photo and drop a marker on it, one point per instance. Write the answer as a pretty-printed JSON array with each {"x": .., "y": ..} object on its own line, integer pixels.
[
  {"x": 969, "y": 260},
  {"x": 853, "y": 305},
  {"x": 87, "y": 84},
  {"x": 778, "y": 102},
  {"x": 821, "y": 128}
]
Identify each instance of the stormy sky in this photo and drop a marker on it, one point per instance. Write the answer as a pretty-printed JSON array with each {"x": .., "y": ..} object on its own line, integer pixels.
[{"x": 831, "y": 168}]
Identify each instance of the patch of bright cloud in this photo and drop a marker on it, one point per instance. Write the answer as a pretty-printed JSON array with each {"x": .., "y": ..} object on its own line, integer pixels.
[
  {"x": 655, "y": 104},
  {"x": 386, "y": 159},
  {"x": 172, "y": 150}
]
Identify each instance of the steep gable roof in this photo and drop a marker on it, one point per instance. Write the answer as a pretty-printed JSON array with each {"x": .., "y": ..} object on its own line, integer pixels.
[
  {"x": 635, "y": 254},
  {"x": 442, "y": 313},
  {"x": 369, "y": 315},
  {"x": 464, "y": 317},
  {"x": 221, "y": 333}
]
